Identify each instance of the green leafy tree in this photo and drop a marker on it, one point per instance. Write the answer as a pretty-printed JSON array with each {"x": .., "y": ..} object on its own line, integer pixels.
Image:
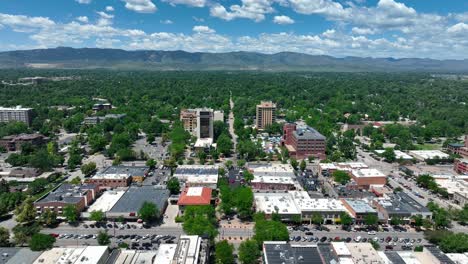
[
  {"x": 346, "y": 219},
  {"x": 76, "y": 180},
  {"x": 97, "y": 216},
  {"x": 249, "y": 252},
  {"x": 200, "y": 220},
  {"x": 151, "y": 163},
  {"x": 396, "y": 221},
  {"x": 149, "y": 212},
  {"x": 49, "y": 218},
  {"x": 341, "y": 177},
  {"x": 294, "y": 163},
  {"x": 224, "y": 144},
  {"x": 173, "y": 185},
  {"x": 269, "y": 230},
  {"x": 371, "y": 220},
  {"x": 389, "y": 155},
  {"x": 70, "y": 213},
  {"x": 103, "y": 238},
  {"x": 454, "y": 243},
  {"x": 25, "y": 212},
  {"x": 88, "y": 168},
  {"x": 317, "y": 219},
  {"x": 374, "y": 244},
  {"x": 303, "y": 165},
  {"x": 248, "y": 176},
  {"x": 4, "y": 237},
  {"x": 223, "y": 253},
  {"x": 40, "y": 242}
]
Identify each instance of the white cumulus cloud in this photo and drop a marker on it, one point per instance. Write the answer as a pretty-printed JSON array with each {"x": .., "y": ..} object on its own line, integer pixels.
[
  {"x": 140, "y": 6},
  {"x": 109, "y": 8},
  {"x": 195, "y": 3},
  {"x": 283, "y": 20},
  {"x": 84, "y": 1},
  {"x": 83, "y": 19},
  {"x": 203, "y": 29}
]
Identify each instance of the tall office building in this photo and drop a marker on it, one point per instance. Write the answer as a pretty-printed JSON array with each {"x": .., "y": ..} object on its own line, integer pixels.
[
  {"x": 266, "y": 114},
  {"x": 16, "y": 114},
  {"x": 204, "y": 123},
  {"x": 198, "y": 122}
]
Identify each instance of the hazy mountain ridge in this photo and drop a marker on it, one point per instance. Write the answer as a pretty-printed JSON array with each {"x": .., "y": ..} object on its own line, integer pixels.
[{"x": 63, "y": 57}]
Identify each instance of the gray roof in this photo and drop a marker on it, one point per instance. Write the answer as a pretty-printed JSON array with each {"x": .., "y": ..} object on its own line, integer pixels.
[
  {"x": 327, "y": 253},
  {"x": 122, "y": 169},
  {"x": 439, "y": 254},
  {"x": 403, "y": 204},
  {"x": 135, "y": 196},
  {"x": 308, "y": 133},
  {"x": 394, "y": 257},
  {"x": 67, "y": 193},
  {"x": 196, "y": 171},
  {"x": 6, "y": 253},
  {"x": 24, "y": 256},
  {"x": 284, "y": 253}
]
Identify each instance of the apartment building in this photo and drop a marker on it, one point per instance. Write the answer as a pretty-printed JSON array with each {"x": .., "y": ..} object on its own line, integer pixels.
[
  {"x": 198, "y": 122},
  {"x": 266, "y": 115},
  {"x": 18, "y": 113},
  {"x": 80, "y": 196},
  {"x": 303, "y": 142}
]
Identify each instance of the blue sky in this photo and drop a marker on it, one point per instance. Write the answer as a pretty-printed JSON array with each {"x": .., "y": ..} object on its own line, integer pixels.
[{"x": 369, "y": 28}]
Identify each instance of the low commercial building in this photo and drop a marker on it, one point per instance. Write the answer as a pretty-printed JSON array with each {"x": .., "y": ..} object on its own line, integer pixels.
[
  {"x": 23, "y": 173},
  {"x": 358, "y": 209},
  {"x": 119, "y": 176},
  {"x": 166, "y": 253},
  {"x": 399, "y": 155},
  {"x": 298, "y": 203},
  {"x": 194, "y": 196},
  {"x": 303, "y": 141},
  {"x": 272, "y": 176},
  {"x": 329, "y": 209},
  {"x": 105, "y": 202},
  {"x": 80, "y": 196},
  {"x": 364, "y": 178},
  {"x": 18, "y": 114},
  {"x": 459, "y": 149},
  {"x": 198, "y": 175},
  {"x": 82, "y": 255},
  {"x": 94, "y": 120},
  {"x": 458, "y": 258},
  {"x": 279, "y": 252},
  {"x": 400, "y": 205},
  {"x": 132, "y": 200},
  {"x": 456, "y": 188},
  {"x": 12, "y": 255},
  {"x": 461, "y": 166},
  {"x": 281, "y": 203},
  {"x": 102, "y": 106},
  {"x": 364, "y": 253},
  {"x": 329, "y": 168},
  {"x": 136, "y": 256},
  {"x": 272, "y": 183},
  {"x": 423, "y": 155},
  {"x": 191, "y": 250},
  {"x": 15, "y": 142}
]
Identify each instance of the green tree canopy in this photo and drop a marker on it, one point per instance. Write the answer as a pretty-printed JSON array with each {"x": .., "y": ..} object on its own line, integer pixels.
[
  {"x": 249, "y": 252},
  {"x": 40, "y": 242},
  {"x": 223, "y": 253},
  {"x": 149, "y": 212}
]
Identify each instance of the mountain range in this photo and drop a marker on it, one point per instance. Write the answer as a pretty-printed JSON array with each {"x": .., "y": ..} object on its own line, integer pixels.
[{"x": 93, "y": 58}]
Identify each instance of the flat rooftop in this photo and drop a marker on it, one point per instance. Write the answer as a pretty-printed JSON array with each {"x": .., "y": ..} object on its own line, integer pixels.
[
  {"x": 364, "y": 173},
  {"x": 428, "y": 154},
  {"x": 121, "y": 172},
  {"x": 22, "y": 256},
  {"x": 308, "y": 133},
  {"x": 107, "y": 200},
  {"x": 67, "y": 193},
  {"x": 359, "y": 206},
  {"x": 398, "y": 154},
  {"x": 328, "y": 166},
  {"x": 364, "y": 253},
  {"x": 65, "y": 255},
  {"x": 273, "y": 179},
  {"x": 188, "y": 250},
  {"x": 274, "y": 169},
  {"x": 401, "y": 203},
  {"x": 165, "y": 254},
  {"x": 279, "y": 252},
  {"x": 269, "y": 203},
  {"x": 340, "y": 249},
  {"x": 352, "y": 165},
  {"x": 202, "y": 179},
  {"x": 305, "y": 203},
  {"x": 135, "y": 196},
  {"x": 184, "y": 171}
]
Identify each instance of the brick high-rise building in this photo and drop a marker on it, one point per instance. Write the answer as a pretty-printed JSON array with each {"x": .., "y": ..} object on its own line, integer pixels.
[
  {"x": 266, "y": 114},
  {"x": 18, "y": 114},
  {"x": 302, "y": 142}
]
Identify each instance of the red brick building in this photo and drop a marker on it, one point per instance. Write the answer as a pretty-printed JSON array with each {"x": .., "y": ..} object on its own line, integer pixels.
[
  {"x": 364, "y": 178},
  {"x": 461, "y": 166},
  {"x": 303, "y": 142},
  {"x": 80, "y": 196},
  {"x": 13, "y": 143}
]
